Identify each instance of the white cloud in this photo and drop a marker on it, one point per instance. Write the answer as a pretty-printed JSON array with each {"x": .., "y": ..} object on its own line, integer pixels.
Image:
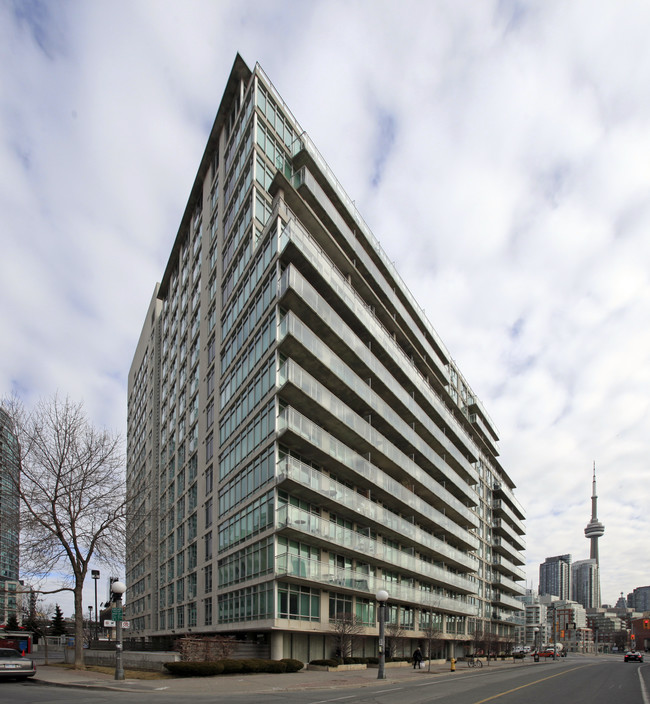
[{"x": 499, "y": 152}]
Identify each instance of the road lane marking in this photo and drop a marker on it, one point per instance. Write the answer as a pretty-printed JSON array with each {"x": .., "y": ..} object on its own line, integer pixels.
[
  {"x": 644, "y": 691},
  {"x": 523, "y": 686}
]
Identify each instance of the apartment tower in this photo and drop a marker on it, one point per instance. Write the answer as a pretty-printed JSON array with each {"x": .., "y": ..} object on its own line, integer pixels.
[
  {"x": 299, "y": 437},
  {"x": 585, "y": 583},
  {"x": 555, "y": 576}
]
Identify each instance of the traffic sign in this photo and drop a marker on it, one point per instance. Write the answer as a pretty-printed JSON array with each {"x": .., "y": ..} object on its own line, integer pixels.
[
  {"x": 117, "y": 613},
  {"x": 108, "y": 623}
]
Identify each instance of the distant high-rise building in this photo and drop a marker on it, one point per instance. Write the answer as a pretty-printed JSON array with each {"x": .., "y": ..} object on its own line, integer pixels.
[
  {"x": 9, "y": 499},
  {"x": 298, "y": 435},
  {"x": 586, "y": 583},
  {"x": 555, "y": 576},
  {"x": 639, "y": 599}
]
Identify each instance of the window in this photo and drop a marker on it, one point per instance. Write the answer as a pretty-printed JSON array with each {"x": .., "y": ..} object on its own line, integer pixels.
[
  {"x": 365, "y": 611},
  {"x": 207, "y": 611},
  {"x": 191, "y": 557},
  {"x": 208, "y": 546},
  {"x": 207, "y": 579},
  {"x": 296, "y": 602},
  {"x": 340, "y": 606}
]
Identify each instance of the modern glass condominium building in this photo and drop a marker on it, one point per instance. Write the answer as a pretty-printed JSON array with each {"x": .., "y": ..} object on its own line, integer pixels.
[
  {"x": 9, "y": 504},
  {"x": 298, "y": 435}
]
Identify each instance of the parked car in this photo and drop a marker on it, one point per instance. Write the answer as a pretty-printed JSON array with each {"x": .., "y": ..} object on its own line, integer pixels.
[
  {"x": 13, "y": 664},
  {"x": 633, "y": 656}
]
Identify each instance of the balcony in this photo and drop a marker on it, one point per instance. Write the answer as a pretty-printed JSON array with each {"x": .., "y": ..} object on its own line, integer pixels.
[
  {"x": 503, "y": 528},
  {"x": 507, "y": 583},
  {"x": 333, "y": 446},
  {"x": 314, "y": 572},
  {"x": 504, "y": 565},
  {"x": 502, "y": 508},
  {"x": 501, "y": 599},
  {"x": 295, "y": 471},
  {"x": 294, "y": 233},
  {"x": 333, "y": 536},
  {"x": 503, "y": 547},
  {"x": 501, "y": 488}
]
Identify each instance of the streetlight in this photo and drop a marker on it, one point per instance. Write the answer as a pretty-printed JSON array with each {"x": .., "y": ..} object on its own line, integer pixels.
[
  {"x": 95, "y": 575},
  {"x": 382, "y": 598},
  {"x": 90, "y": 625},
  {"x": 536, "y": 631},
  {"x": 118, "y": 588}
]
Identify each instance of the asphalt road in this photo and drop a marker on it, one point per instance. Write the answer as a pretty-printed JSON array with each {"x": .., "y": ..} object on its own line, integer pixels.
[{"x": 589, "y": 680}]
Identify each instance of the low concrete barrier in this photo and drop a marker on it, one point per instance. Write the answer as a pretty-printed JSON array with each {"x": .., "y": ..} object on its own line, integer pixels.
[
  {"x": 338, "y": 668},
  {"x": 131, "y": 660}
]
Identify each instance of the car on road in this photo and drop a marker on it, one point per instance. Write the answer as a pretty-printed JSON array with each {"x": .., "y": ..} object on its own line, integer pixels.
[
  {"x": 633, "y": 656},
  {"x": 15, "y": 665}
]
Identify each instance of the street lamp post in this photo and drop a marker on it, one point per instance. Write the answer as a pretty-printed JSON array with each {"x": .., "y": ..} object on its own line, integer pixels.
[
  {"x": 382, "y": 598},
  {"x": 118, "y": 588},
  {"x": 90, "y": 625},
  {"x": 536, "y": 631},
  {"x": 95, "y": 575}
]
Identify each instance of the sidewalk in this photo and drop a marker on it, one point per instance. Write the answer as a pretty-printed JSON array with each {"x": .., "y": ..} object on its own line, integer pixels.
[{"x": 234, "y": 684}]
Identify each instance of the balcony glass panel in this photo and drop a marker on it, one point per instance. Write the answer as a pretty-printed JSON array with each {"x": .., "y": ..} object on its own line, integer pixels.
[
  {"x": 295, "y": 233},
  {"x": 301, "y": 425},
  {"x": 322, "y": 573}
]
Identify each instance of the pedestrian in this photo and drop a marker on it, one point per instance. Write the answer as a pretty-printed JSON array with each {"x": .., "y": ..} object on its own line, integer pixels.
[{"x": 417, "y": 659}]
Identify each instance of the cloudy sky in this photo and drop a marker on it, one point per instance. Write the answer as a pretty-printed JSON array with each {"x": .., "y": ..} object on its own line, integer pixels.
[{"x": 499, "y": 150}]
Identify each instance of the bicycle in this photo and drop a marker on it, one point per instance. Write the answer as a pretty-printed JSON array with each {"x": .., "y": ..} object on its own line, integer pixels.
[{"x": 473, "y": 662}]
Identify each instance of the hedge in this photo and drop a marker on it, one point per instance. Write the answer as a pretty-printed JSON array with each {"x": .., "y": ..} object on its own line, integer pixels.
[
  {"x": 231, "y": 667},
  {"x": 327, "y": 662}
]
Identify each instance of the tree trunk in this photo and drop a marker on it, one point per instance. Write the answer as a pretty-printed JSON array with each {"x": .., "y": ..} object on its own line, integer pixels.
[{"x": 78, "y": 625}]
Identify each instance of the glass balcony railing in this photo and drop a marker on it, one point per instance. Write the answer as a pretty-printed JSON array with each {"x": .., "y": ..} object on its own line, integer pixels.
[
  {"x": 506, "y": 600},
  {"x": 500, "y": 561},
  {"x": 331, "y": 532},
  {"x": 292, "y": 325},
  {"x": 290, "y": 419},
  {"x": 501, "y": 525},
  {"x": 503, "y": 546},
  {"x": 290, "y": 371},
  {"x": 323, "y": 573},
  {"x": 499, "y": 506},
  {"x": 301, "y": 473},
  {"x": 506, "y": 491},
  {"x": 294, "y": 232},
  {"x": 507, "y": 583}
]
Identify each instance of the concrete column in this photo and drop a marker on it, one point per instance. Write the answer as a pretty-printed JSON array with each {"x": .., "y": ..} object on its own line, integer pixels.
[{"x": 277, "y": 645}]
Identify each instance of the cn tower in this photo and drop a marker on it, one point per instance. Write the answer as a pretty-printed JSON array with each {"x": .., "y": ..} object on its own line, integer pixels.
[{"x": 595, "y": 529}]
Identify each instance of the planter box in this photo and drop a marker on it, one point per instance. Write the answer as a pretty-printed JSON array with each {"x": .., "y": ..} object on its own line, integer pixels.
[
  {"x": 398, "y": 664},
  {"x": 340, "y": 668}
]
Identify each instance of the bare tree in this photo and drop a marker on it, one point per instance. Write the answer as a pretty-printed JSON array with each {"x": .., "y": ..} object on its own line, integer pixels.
[
  {"x": 432, "y": 629},
  {"x": 394, "y": 638},
  {"x": 38, "y": 620},
  {"x": 346, "y": 629},
  {"x": 72, "y": 493}
]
